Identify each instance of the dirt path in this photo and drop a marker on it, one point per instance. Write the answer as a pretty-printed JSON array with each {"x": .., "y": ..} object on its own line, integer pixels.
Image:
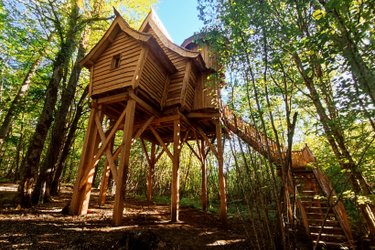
[{"x": 144, "y": 227}]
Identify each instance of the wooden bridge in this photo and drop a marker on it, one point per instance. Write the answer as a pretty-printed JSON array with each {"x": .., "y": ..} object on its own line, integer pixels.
[{"x": 143, "y": 86}]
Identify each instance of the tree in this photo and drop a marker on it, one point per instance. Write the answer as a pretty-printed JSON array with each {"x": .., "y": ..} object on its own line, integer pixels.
[
  {"x": 290, "y": 43},
  {"x": 68, "y": 38}
]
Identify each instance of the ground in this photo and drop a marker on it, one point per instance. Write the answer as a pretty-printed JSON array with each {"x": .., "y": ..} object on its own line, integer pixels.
[{"x": 144, "y": 226}]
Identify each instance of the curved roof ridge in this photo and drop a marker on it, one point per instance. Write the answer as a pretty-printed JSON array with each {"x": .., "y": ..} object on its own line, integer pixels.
[{"x": 153, "y": 20}]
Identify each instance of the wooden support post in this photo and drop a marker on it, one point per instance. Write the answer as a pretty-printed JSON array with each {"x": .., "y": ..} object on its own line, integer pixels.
[
  {"x": 204, "y": 192},
  {"x": 81, "y": 194},
  {"x": 124, "y": 163},
  {"x": 105, "y": 178},
  {"x": 151, "y": 169},
  {"x": 175, "y": 171},
  {"x": 220, "y": 149}
]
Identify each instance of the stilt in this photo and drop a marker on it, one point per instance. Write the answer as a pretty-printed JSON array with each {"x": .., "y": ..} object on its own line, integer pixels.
[
  {"x": 151, "y": 167},
  {"x": 81, "y": 193},
  {"x": 175, "y": 171},
  {"x": 204, "y": 197},
  {"x": 124, "y": 163},
  {"x": 105, "y": 179},
  {"x": 223, "y": 197}
]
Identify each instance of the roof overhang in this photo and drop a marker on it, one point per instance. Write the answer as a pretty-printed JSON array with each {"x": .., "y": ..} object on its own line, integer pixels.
[
  {"x": 155, "y": 24},
  {"x": 120, "y": 25}
]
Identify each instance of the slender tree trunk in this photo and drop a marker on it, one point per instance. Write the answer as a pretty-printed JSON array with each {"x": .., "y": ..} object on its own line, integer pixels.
[
  {"x": 345, "y": 40},
  {"x": 48, "y": 167},
  {"x": 337, "y": 142},
  {"x": 32, "y": 158},
  {"x": 4, "y": 129},
  {"x": 68, "y": 143}
]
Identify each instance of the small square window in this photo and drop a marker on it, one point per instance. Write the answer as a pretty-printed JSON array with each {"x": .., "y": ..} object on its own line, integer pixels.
[{"x": 116, "y": 61}]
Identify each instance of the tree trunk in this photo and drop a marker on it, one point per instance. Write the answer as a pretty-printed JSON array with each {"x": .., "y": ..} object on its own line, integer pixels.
[
  {"x": 30, "y": 162},
  {"x": 337, "y": 142},
  {"x": 4, "y": 129},
  {"x": 48, "y": 167},
  {"x": 68, "y": 143}
]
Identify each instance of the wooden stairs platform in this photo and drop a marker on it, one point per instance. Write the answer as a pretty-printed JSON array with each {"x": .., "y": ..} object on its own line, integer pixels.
[{"x": 325, "y": 219}]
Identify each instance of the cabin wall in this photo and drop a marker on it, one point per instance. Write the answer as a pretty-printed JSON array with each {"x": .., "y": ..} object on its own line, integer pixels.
[
  {"x": 208, "y": 57},
  {"x": 153, "y": 78},
  {"x": 175, "y": 86},
  {"x": 189, "y": 94},
  {"x": 106, "y": 78},
  {"x": 176, "y": 80},
  {"x": 206, "y": 96}
]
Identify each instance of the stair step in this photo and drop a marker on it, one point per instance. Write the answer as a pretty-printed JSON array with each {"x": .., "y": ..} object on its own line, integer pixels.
[
  {"x": 320, "y": 216},
  {"x": 326, "y": 229},
  {"x": 329, "y": 237},
  {"x": 333, "y": 245},
  {"x": 336, "y": 236},
  {"x": 308, "y": 191},
  {"x": 317, "y": 208},
  {"x": 316, "y": 197},
  {"x": 319, "y": 222}
]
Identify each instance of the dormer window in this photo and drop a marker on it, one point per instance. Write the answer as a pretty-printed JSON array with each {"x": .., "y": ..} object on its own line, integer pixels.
[{"x": 116, "y": 59}]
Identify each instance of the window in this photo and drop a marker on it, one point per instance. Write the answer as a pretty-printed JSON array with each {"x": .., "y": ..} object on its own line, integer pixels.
[{"x": 116, "y": 61}]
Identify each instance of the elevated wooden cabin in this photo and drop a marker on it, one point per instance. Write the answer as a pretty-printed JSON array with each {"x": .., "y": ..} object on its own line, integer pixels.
[
  {"x": 163, "y": 74},
  {"x": 153, "y": 90}
]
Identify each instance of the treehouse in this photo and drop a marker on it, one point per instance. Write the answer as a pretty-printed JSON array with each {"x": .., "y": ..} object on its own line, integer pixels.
[
  {"x": 152, "y": 90},
  {"x": 165, "y": 95}
]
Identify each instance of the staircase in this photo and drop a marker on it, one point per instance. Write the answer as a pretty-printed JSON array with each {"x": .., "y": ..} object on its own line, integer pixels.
[
  {"x": 321, "y": 218},
  {"x": 325, "y": 220}
]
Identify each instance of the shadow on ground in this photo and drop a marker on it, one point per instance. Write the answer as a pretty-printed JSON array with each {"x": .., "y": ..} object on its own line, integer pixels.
[{"x": 144, "y": 227}]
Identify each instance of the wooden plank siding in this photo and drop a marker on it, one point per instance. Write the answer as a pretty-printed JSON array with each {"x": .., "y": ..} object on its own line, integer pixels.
[
  {"x": 205, "y": 94},
  {"x": 105, "y": 77},
  {"x": 153, "y": 78},
  {"x": 176, "y": 80}
]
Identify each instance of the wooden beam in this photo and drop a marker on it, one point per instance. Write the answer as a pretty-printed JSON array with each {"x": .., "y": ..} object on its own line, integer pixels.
[
  {"x": 220, "y": 149},
  {"x": 193, "y": 150},
  {"x": 185, "y": 82},
  {"x": 105, "y": 179},
  {"x": 118, "y": 207},
  {"x": 145, "y": 151},
  {"x": 156, "y": 134},
  {"x": 81, "y": 196},
  {"x": 114, "y": 98},
  {"x": 107, "y": 150},
  {"x": 165, "y": 119},
  {"x": 176, "y": 171},
  {"x": 143, "y": 128},
  {"x": 117, "y": 152},
  {"x": 201, "y": 132},
  {"x": 151, "y": 173},
  {"x": 145, "y": 105},
  {"x": 160, "y": 154},
  {"x": 91, "y": 80},
  {"x": 141, "y": 63},
  {"x": 214, "y": 151},
  {"x": 111, "y": 134},
  {"x": 165, "y": 92},
  {"x": 204, "y": 196},
  {"x": 203, "y": 115}
]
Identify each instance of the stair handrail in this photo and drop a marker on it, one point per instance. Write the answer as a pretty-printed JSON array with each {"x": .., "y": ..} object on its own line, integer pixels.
[
  {"x": 338, "y": 207},
  {"x": 300, "y": 158}
]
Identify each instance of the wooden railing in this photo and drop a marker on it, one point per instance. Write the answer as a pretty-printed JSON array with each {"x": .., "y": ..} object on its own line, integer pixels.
[
  {"x": 337, "y": 206},
  {"x": 262, "y": 143},
  {"x": 300, "y": 159}
]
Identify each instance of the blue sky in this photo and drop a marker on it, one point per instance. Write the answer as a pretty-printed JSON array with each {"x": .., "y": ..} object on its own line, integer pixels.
[{"x": 180, "y": 18}]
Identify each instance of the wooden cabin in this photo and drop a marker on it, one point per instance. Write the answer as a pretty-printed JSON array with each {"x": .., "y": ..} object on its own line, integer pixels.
[
  {"x": 152, "y": 90},
  {"x": 163, "y": 74}
]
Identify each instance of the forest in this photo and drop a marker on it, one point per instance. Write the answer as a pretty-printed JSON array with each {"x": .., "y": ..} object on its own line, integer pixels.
[{"x": 300, "y": 72}]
